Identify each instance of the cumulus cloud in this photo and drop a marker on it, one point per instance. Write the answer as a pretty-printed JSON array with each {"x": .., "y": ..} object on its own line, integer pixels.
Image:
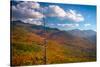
[
  {"x": 26, "y": 10},
  {"x": 86, "y": 25},
  {"x": 32, "y": 12},
  {"x": 55, "y": 11},
  {"x": 25, "y": 13},
  {"x": 32, "y": 21},
  {"x": 73, "y": 15},
  {"x": 29, "y": 4}
]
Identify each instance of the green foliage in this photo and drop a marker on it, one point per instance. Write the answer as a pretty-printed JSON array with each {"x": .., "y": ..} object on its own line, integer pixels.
[
  {"x": 26, "y": 47},
  {"x": 29, "y": 50},
  {"x": 26, "y": 54}
]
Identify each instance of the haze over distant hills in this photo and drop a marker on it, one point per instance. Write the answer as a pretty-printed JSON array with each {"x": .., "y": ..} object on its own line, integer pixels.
[
  {"x": 89, "y": 34},
  {"x": 67, "y": 46}
]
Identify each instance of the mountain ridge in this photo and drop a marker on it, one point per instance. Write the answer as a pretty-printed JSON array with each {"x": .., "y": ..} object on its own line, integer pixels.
[
  {"x": 28, "y": 42},
  {"x": 62, "y": 37}
]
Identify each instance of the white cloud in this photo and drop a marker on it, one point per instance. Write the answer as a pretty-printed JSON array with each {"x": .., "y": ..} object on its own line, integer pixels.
[
  {"x": 77, "y": 25},
  {"x": 32, "y": 21},
  {"x": 86, "y": 25},
  {"x": 26, "y": 12},
  {"x": 68, "y": 25},
  {"x": 32, "y": 10},
  {"x": 29, "y": 4},
  {"x": 55, "y": 11},
  {"x": 74, "y": 16}
]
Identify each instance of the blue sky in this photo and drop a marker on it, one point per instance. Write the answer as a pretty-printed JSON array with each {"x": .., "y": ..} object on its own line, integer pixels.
[{"x": 61, "y": 16}]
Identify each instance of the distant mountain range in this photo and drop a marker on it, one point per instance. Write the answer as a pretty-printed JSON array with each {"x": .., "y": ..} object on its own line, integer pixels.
[
  {"x": 62, "y": 36},
  {"x": 75, "y": 42}
]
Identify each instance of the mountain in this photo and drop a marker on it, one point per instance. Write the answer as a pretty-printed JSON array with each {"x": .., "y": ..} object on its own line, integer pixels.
[
  {"x": 87, "y": 34},
  {"x": 28, "y": 42},
  {"x": 82, "y": 33}
]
